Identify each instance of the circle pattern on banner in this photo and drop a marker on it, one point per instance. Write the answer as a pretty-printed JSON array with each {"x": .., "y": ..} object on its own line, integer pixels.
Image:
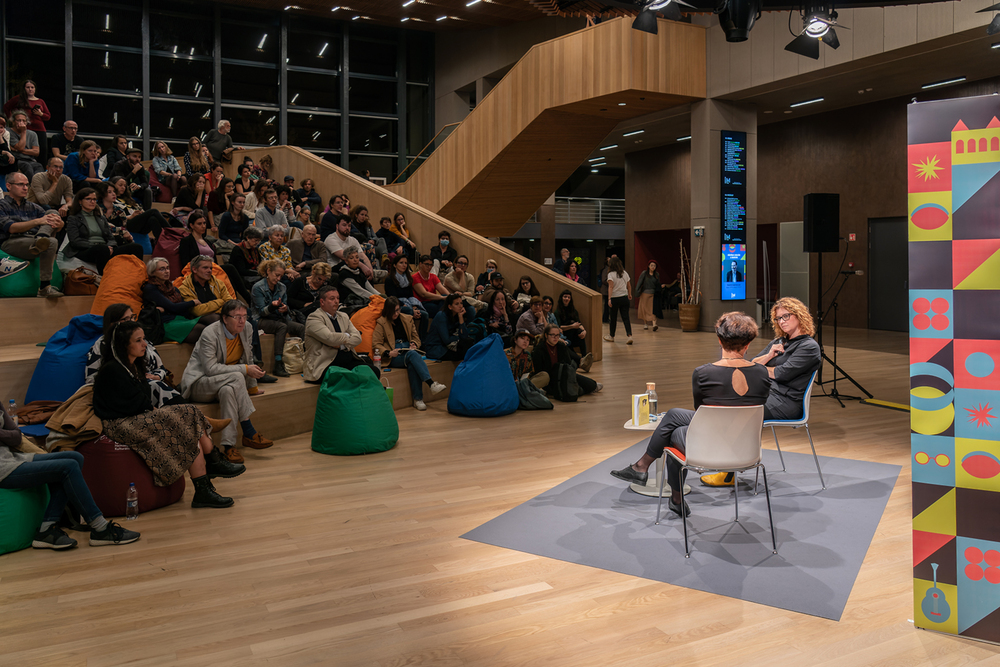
[{"x": 980, "y": 364}]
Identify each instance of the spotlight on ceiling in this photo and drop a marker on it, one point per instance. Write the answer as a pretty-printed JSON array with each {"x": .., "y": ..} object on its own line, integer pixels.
[
  {"x": 817, "y": 26},
  {"x": 738, "y": 18},
  {"x": 645, "y": 21},
  {"x": 994, "y": 26}
]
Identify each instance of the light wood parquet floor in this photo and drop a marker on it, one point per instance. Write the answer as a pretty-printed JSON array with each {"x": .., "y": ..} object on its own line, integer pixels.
[{"x": 358, "y": 561}]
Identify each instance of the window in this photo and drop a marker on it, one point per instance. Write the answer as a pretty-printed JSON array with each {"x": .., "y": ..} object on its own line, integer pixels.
[
  {"x": 181, "y": 77},
  {"x": 378, "y": 166},
  {"x": 372, "y": 96},
  {"x": 253, "y": 38},
  {"x": 310, "y": 89},
  {"x": 107, "y": 114},
  {"x": 45, "y": 65},
  {"x": 313, "y": 131},
  {"x": 419, "y": 57},
  {"x": 370, "y": 57},
  {"x": 186, "y": 29},
  {"x": 99, "y": 24},
  {"x": 179, "y": 120},
  {"x": 417, "y": 109},
  {"x": 256, "y": 85},
  {"x": 309, "y": 49},
  {"x": 252, "y": 126},
  {"x": 107, "y": 70},
  {"x": 372, "y": 135},
  {"x": 40, "y": 19}
]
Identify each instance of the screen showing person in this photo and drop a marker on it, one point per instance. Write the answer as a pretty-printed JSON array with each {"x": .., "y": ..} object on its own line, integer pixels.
[{"x": 734, "y": 263}]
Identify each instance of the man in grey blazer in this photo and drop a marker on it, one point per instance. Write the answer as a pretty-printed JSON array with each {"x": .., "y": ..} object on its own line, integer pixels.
[
  {"x": 221, "y": 369},
  {"x": 330, "y": 339},
  {"x": 307, "y": 251}
]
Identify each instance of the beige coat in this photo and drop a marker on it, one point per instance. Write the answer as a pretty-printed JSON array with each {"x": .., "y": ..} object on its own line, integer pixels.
[
  {"x": 384, "y": 339},
  {"x": 322, "y": 342}
]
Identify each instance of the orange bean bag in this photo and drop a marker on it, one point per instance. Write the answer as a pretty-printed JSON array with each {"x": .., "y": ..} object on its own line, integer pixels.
[
  {"x": 122, "y": 282},
  {"x": 365, "y": 319},
  {"x": 216, "y": 271}
]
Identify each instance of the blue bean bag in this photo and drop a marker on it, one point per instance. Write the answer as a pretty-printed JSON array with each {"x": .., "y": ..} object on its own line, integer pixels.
[
  {"x": 26, "y": 282},
  {"x": 483, "y": 385},
  {"x": 353, "y": 414},
  {"x": 59, "y": 372},
  {"x": 21, "y": 513}
]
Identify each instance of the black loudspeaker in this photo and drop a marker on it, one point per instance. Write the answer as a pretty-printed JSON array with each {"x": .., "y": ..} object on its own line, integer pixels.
[{"x": 821, "y": 223}]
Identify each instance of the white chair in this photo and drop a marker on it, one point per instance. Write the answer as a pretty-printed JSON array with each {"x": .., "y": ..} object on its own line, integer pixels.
[
  {"x": 722, "y": 439},
  {"x": 798, "y": 423}
]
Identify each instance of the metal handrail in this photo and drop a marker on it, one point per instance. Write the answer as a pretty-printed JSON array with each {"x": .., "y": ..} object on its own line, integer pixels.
[{"x": 420, "y": 154}]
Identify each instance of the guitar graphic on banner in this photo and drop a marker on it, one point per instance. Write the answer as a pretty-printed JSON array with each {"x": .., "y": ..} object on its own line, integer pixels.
[{"x": 934, "y": 604}]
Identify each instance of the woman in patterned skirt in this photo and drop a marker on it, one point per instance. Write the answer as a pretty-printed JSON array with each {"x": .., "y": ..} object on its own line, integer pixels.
[{"x": 170, "y": 439}]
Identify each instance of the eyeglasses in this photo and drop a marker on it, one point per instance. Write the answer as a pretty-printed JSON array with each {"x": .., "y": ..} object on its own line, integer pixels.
[
  {"x": 238, "y": 318},
  {"x": 554, "y": 334},
  {"x": 85, "y": 198},
  {"x": 130, "y": 318},
  {"x": 462, "y": 263},
  {"x": 782, "y": 318},
  {"x": 23, "y": 185}
]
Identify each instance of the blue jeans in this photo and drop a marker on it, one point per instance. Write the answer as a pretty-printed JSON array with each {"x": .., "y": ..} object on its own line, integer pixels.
[
  {"x": 62, "y": 471},
  {"x": 416, "y": 371}
]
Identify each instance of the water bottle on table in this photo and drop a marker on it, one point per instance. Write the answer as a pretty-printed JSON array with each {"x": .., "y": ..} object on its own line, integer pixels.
[
  {"x": 653, "y": 398},
  {"x": 131, "y": 503}
]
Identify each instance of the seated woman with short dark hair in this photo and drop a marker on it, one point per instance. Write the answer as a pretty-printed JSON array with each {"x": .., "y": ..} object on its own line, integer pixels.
[
  {"x": 90, "y": 237},
  {"x": 448, "y": 338},
  {"x": 732, "y": 380}
]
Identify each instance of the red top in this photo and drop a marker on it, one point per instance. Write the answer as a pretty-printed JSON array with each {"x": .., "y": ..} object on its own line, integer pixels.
[
  {"x": 430, "y": 284},
  {"x": 35, "y": 123}
]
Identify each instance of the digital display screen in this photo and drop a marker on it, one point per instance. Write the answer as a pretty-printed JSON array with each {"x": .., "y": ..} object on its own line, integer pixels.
[
  {"x": 734, "y": 269},
  {"x": 734, "y": 187}
]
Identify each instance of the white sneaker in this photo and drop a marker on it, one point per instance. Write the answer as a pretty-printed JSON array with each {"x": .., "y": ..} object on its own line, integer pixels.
[
  {"x": 49, "y": 292},
  {"x": 645, "y": 327},
  {"x": 609, "y": 338},
  {"x": 599, "y": 387},
  {"x": 629, "y": 341},
  {"x": 437, "y": 388},
  {"x": 420, "y": 405},
  {"x": 9, "y": 267}
]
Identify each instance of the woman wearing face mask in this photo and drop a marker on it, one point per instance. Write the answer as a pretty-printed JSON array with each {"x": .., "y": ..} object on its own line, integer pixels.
[
  {"x": 443, "y": 254},
  {"x": 484, "y": 278}
]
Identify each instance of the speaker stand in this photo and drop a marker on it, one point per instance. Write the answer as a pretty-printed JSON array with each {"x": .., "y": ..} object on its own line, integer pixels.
[{"x": 834, "y": 393}]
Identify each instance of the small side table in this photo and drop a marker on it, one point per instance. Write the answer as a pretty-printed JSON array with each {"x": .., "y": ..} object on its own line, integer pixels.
[{"x": 652, "y": 485}]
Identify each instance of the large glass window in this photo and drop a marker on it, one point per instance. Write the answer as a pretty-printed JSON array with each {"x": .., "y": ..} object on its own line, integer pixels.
[
  {"x": 101, "y": 24},
  {"x": 179, "y": 120},
  {"x": 107, "y": 114},
  {"x": 371, "y": 57},
  {"x": 39, "y": 19},
  {"x": 256, "y": 85},
  {"x": 45, "y": 65},
  {"x": 417, "y": 109},
  {"x": 314, "y": 131},
  {"x": 181, "y": 77},
  {"x": 311, "y": 89},
  {"x": 419, "y": 57},
  {"x": 373, "y": 135},
  {"x": 378, "y": 166},
  {"x": 189, "y": 33},
  {"x": 258, "y": 127},
  {"x": 309, "y": 49},
  {"x": 110, "y": 70},
  {"x": 373, "y": 96},
  {"x": 254, "y": 37}
]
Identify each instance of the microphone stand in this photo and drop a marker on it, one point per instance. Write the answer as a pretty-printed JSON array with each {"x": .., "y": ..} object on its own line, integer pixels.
[{"x": 833, "y": 362}]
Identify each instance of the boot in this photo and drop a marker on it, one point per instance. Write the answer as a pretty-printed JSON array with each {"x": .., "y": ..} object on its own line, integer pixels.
[
  {"x": 205, "y": 494},
  {"x": 216, "y": 465},
  {"x": 279, "y": 368},
  {"x": 218, "y": 424}
]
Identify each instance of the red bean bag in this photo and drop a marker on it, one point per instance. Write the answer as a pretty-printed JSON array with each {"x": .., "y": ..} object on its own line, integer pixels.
[
  {"x": 108, "y": 469},
  {"x": 165, "y": 195}
]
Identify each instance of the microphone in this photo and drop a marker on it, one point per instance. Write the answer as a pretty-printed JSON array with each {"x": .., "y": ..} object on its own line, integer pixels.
[{"x": 856, "y": 272}]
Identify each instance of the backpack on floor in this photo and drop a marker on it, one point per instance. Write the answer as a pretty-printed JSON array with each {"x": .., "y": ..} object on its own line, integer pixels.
[
  {"x": 564, "y": 385},
  {"x": 531, "y": 397}
]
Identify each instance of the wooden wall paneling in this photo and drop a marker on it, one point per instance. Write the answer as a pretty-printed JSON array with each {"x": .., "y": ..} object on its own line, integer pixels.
[
  {"x": 718, "y": 61},
  {"x": 935, "y": 20},
  {"x": 765, "y": 31},
  {"x": 900, "y": 26},
  {"x": 868, "y": 34},
  {"x": 966, "y": 16},
  {"x": 425, "y": 225}
]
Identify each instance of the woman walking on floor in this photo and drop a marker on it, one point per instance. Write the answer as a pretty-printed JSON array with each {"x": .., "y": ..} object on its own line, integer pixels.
[{"x": 619, "y": 298}]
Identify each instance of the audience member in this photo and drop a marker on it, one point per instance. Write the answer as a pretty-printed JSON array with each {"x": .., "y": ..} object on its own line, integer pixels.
[
  {"x": 269, "y": 307},
  {"x": 244, "y": 181},
  {"x": 568, "y": 319},
  {"x": 114, "y": 154},
  {"x": 619, "y": 298},
  {"x": 201, "y": 286},
  {"x": 198, "y": 243},
  {"x": 559, "y": 266},
  {"x": 732, "y": 381},
  {"x": 289, "y": 182},
  {"x": 302, "y": 219},
  {"x": 220, "y": 143},
  {"x": 263, "y": 170},
  {"x": 268, "y": 214},
  {"x": 62, "y": 473},
  {"x": 400, "y": 285},
  {"x": 646, "y": 286},
  {"x": 448, "y": 337},
  {"x": 533, "y": 320},
  {"x": 307, "y": 250},
  {"x": 233, "y": 221},
  {"x": 127, "y": 213},
  {"x": 341, "y": 240},
  {"x": 222, "y": 369},
  {"x": 520, "y": 361},
  {"x": 82, "y": 167},
  {"x": 303, "y": 293},
  {"x": 52, "y": 188},
  {"x": 573, "y": 271},
  {"x": 396, "y": 342},
  {"x": 460, "y": 282},
  {"x": 37, "y": 112},
  {"x": 604, "y": 290},
  {"x": 216, "y": 172},
  {"x": 155, "y": 374},
  {"x": 220, "y": 200},
  {"x": 427, "y": 287},
  {"x": 497, "y": 318},
  {"x": 256, "y": 198},
  {"x": 484, "y": 278},
  {"x": 24, "y": 145},
  {"x": 330, "y": 339},
  {"x": 361, "y": 229},
  {"x": 61, "y": 144},
  {"x": 395, "y": 244},
  {"x": 28, "y": 231},
  {"x": 245, "y": 257},
  {"x": 355, "y": 290},
  {"x": 8, "y": 162},
  {"x": 525, "y": 290},
  {"x": 167, "y": 169},
  {"x": 496, "y": 285},
  {"x": 306, "y": 197},
  {"x": 400, "y": 229},
  {"x": 549, "y": 353},
  {"x": 585, "y": 361},
  {"x": 443, "y": 254},
  {"x": 179, "y": 323},
  {"x": 194, "y": 195},
  {"x": 274, "y": 248},
  {"x": 194, "y": 159},
  {"x": 288, "y": 209}
]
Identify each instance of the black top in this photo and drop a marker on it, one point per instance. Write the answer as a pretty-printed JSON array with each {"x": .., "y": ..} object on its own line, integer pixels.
[
  {"x": 713, "y": 385},
  {"x": 118, "y": 393},
  {"x": 392, "y": 240},
  {"x": 449, "y": 253},
  {"x": 392, "y": 287},
  {"x": 65, "y": 146},
  {"x": 303, "y": 297},
  {"x": 152, "y": 294},
  {"x": 188, "y": 249},
  {"x": 124, "y": 169},
  {"x": 232, "y": 229},
  {"x": 114, "y": 155},
  {"x": 186, "y": 198},
  {"x": 541, "y": 359},
  {"x": 794, "y": 367},
  {"x": 328, "y": 224}
]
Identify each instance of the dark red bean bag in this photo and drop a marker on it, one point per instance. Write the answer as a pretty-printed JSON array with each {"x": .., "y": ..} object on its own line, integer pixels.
[{"x": 109, "y": 467}]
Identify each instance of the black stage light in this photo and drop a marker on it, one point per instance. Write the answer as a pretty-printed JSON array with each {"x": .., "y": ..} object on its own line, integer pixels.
[
  {"x": 738, "y": 18},
  {"x": 804, "y": 45},
  {"x": 645, "y": 21},
  {"x": 994, "y": 26}
]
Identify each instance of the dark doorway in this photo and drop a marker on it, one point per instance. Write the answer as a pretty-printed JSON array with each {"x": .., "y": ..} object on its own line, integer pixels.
[{"x": 888, "y": 275}]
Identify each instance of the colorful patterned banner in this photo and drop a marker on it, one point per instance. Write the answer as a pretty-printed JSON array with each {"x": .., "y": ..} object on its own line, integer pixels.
[{"x": 953, "y": 157}]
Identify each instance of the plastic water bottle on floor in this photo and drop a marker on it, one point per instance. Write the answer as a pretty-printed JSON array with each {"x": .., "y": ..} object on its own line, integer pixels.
[
  {"x": 12, "y": 409},
  {"x": 131, "y": 503}
]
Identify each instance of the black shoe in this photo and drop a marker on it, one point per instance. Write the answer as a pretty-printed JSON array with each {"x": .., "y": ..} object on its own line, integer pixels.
[
  {"x": 629, "y": 474},
  {"x": 673, "y": 507},
  {"x": 53, "y": 538},
  {"x": 112, "y": 534},
  {"x": 279, "y": 368},
  {"x": 267, "y": 379},
  {"x": 205, "y": 494},
  {"x": 218, "y": 466}
]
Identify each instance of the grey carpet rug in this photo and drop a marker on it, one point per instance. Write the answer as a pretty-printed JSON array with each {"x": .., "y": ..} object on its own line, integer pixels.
[{"x": 823, "y": 535}]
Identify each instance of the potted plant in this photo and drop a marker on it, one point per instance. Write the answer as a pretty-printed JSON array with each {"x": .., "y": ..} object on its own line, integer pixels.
[{"x": 689, "y": 309}]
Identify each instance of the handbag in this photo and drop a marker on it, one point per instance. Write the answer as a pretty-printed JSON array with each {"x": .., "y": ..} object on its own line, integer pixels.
[
  {"x": 152, "y": 324},
  {"x": 293, "y": 355},
  {"x": 81, "y": 282}
]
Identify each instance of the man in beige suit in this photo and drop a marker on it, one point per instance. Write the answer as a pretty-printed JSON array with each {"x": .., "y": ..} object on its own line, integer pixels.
[{"x": 331, "y": 339}]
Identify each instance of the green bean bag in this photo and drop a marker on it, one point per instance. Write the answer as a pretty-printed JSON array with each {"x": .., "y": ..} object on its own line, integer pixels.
[
  {"x": 21, "y": 513},
  {"x": 353, "y": 414},
  {"x": 25, "y": 283}
]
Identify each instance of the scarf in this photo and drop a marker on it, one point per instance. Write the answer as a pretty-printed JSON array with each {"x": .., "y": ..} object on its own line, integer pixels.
[
  {"x": 252, "y": 255},
  {"x": 168, "y": 289},
  {"x": 401, "y": 279}
]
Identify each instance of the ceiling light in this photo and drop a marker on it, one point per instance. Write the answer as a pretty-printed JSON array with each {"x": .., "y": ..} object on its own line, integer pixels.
[
  {"x": 596, "y": 159},
  {"x": 645, "y": 22},
  {"x": 404, "y": 19},
  {"x": 593, "y": 171},
  {"x": 687, "y": 138},
  {"x": 441, "y": 18},
  {"x": 599, "y": 164},
  {"x": 469, "y": 4},
  {"x": 294, "y": 98},
  {"x": 943, "y": 83},
  {"x": 805, "y": 102},
  {"x": 621, "y": 104},
  {"x": 995, "y": 46},
  {"x": 333, "y": 9},
  {"x": 355, "y": 18},
  {"x": 323, "y": 50},
  {"x": 632, "y": 134},
  {"x": 817, "y": 26},
  {"x": 260, "y": 47},
  {"x": 408, "y": 3},
  {"x": 605, "y": 148}
]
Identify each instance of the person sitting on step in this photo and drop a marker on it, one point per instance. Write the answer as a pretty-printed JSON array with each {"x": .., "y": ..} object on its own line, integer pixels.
[
  {"x": 330, "y": 339},
  {"x": 549, "y": 352},
  {"x": 732, "y": 380},
  {"x": 396, "y": 341},
  {"x": 520, "y": 361},
  {"x": 221, "y": 369},
  {"x": 171, "y": 439},
  {"x": 269, "y": 308}
]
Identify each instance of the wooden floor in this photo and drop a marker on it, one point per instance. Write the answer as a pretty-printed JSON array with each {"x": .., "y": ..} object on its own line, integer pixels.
[{"x": 358, "y": 561}]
